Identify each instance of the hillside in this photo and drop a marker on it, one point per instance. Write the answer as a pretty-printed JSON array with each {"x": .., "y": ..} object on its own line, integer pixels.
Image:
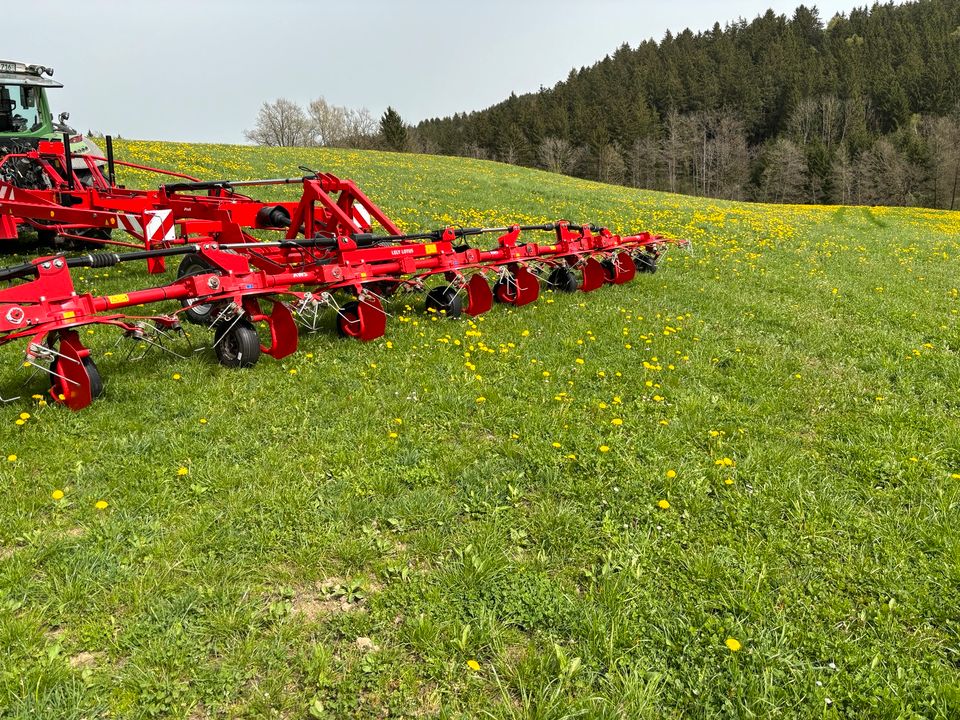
[
  {"x": 403, "y": 529},
  {"x": 862, "y": 107}
]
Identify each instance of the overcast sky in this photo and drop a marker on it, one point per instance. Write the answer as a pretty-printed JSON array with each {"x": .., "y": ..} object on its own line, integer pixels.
[{"x": 200, "y": 69}]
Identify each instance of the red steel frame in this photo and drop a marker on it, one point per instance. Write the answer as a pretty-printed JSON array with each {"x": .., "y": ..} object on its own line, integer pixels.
[{"x": 326, "y": 246}]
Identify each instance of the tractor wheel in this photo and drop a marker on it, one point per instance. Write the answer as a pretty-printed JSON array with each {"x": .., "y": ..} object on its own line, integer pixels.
[
  {"x": 95, "y": 235},
  {"x": 445, "y": 299},
  {"x": 646, "y": 263},
  {"x": 197, "y": 313},
  {"x": 505, "y": 290},
  {"x": 46, "y": 238},
  {"x": 562, "y": 279},
  {"x": 89, "y": 366},
  {"x": 348, "y": 320},
  {"x": 237, "y": 344}
]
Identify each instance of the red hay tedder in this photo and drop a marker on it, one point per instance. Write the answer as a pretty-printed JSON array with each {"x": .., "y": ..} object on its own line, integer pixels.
[{"x": 231, "y": 280}]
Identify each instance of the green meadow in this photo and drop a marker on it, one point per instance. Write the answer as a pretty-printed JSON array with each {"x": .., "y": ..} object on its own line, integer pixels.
[{"x": 731, "y": 488}]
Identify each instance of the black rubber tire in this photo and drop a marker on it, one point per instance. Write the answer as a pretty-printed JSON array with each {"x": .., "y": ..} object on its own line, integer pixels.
[
  {"x": 562, "y": 279},
  {"x": 237, "y": 344},
  {"x": 197, "y": 314},
  {"x": 609, "y": 269},
  {"x": 645, "y": 262},
  {"x": 46, "y": 238},
  {"x": 445, "y": 299},
  {"x": 347, "y": 320},
  {"x": 96, "y": 382}
]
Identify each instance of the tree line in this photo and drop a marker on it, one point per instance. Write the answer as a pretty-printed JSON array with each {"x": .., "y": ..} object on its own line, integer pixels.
[
  {"x": 863, "y": 108},
  {"x": 284, "y": 123}
]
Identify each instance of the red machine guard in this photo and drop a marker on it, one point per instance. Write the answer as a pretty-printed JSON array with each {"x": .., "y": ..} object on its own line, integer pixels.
[
  {"x": 528, "y": 287},
  {"x": 479, "y": 296},
  {"x": 593, "y": 275},
  {"x": 74, "y": 381},
  {"x": 373, "y": 319},
  {"x": 624, "y": 269},
  {"x": 283, "y": 332}
]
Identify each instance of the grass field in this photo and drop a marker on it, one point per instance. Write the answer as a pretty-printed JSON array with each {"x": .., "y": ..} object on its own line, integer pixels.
[{"x": 728, "y": 489}]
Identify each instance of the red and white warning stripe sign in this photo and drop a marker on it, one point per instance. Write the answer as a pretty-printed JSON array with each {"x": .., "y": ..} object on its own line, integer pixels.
[{"x": 154, "y": 226}]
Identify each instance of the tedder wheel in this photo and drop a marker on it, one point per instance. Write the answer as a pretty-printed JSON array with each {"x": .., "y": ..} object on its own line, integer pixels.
[
  {"x": 609, "y": 270},
  {"x": 562, "y": 279},
  {"x": 89, "y": 366},
  {"x": 445, "y": 299},
  {"x": 646, "y": 263},
  {"x": 348, "y": 320},
  {"x": 198, "y": 313},
  {"x": 237, "y": 344},
  {"x": 505, "y": 290}
]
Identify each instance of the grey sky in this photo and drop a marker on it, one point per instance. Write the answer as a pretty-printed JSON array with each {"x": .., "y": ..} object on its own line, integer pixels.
[{"x": 199, "y": 69}]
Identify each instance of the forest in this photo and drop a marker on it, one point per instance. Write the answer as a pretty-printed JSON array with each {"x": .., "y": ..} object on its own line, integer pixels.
[{"x": 863, "y": 108}]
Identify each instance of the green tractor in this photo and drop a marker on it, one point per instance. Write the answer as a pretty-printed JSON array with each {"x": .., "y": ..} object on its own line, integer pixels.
[{"x": 26, "y": 119}]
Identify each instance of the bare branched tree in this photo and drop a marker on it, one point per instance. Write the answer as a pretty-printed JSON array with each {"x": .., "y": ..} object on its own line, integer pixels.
[
  {"x": 785, "y": 172},
  {"x": 330, "y": 124},
  {"x": 558, "y": 156},
  {"x": 885, "y": 176},
  {"x": 339, "y": 126},
  {"x": 281, "y": 123}
]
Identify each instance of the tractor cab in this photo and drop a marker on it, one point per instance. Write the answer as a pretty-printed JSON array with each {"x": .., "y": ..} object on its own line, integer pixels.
[
  {"x": 26, "y": 119},
  {"x": 24, "y": 110}
]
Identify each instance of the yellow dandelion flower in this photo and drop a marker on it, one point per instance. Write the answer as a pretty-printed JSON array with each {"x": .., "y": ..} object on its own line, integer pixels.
[
  {"x": 617, "y": 422},
  {"x": 557, "y": 445},
  {"x": 101, "y": 505},
  {"x": 671, "y": 474},
  {"x": 11, "y": 458},
  {"x": 177, "y": 376},
  {"x": 393, "y": 436},
  {"x": 24, "y": 416},
  {"x": 604, "y": 448},
  {"x": 57, "y": 494},
  {"x": 182, "y": 471},
  {"x": 481, "y": 399},
  {"x": 203, "y": 421},
  {"x": 663, "y": 505},
  {"x": 473, "y": 665},
  {"x": 733, "y": 644}
]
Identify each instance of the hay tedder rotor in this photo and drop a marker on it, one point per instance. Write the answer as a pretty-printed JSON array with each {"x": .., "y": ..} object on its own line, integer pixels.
[{"x": 245, "y": 263}]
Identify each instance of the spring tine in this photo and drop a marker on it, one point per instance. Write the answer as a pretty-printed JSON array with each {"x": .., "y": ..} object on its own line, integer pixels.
[
  {"x": 237, "y": 319},
  {"x": 160, "y": 346},
  {"x": 378, "y": 297},
  {"x": 51, "y": 372},
  {"x": 44, "y": 351}
]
